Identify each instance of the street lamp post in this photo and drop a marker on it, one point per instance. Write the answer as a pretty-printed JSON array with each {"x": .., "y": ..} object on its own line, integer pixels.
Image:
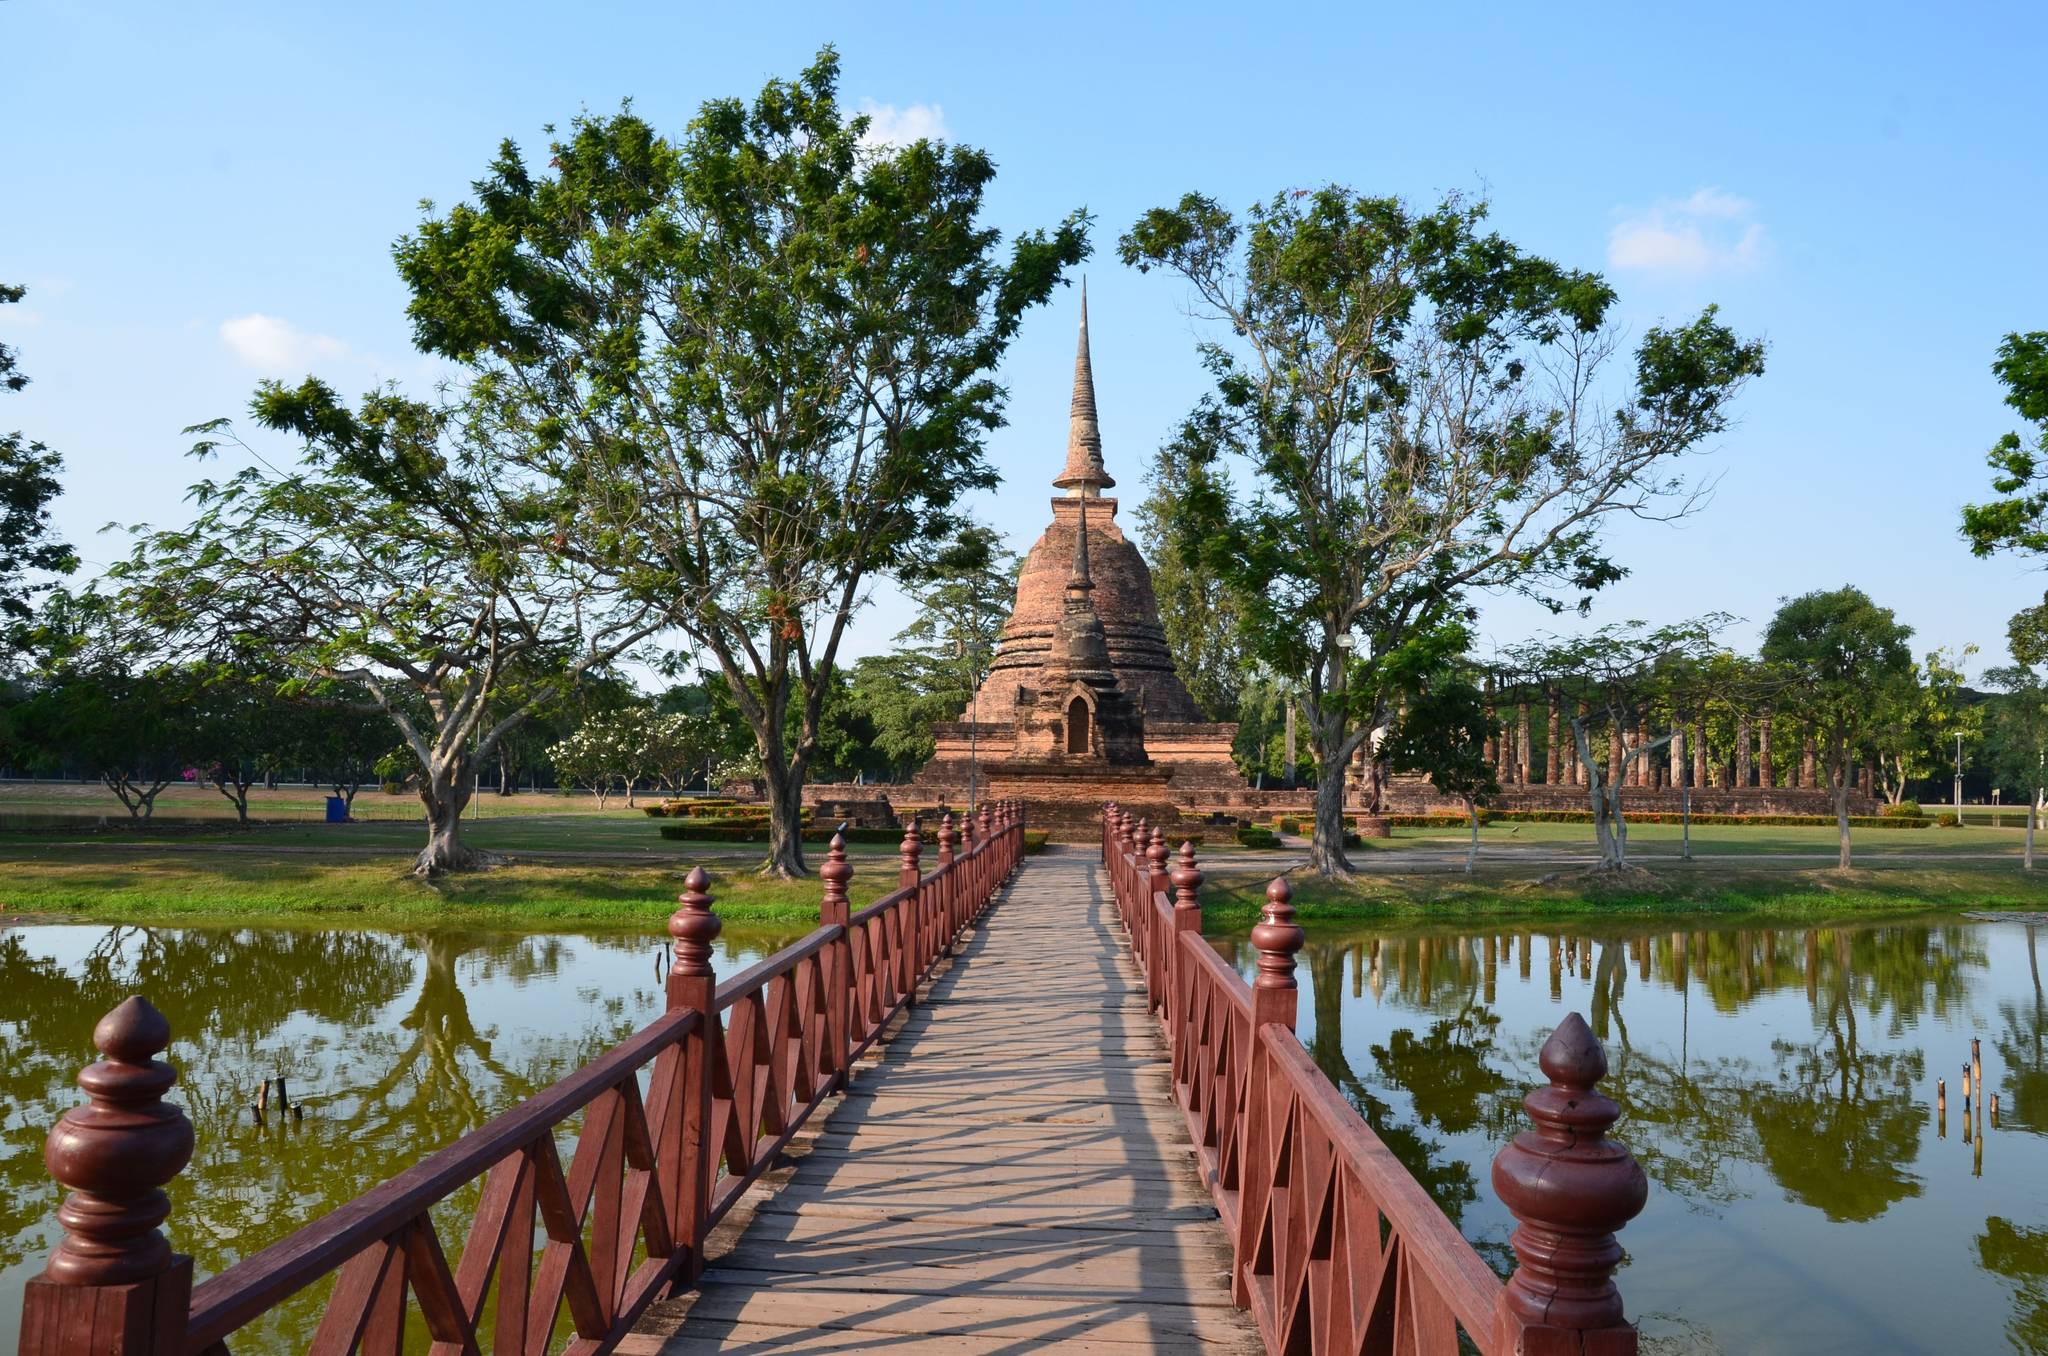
[
  {"x": 1959, "y": 776},
  {"x": 973, "y": 721}
]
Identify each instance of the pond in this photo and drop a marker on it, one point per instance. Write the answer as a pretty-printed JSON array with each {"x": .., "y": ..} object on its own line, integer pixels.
[
  {"x": 394, "y": 1043},
  {"x": 1778, "y": 1086}
]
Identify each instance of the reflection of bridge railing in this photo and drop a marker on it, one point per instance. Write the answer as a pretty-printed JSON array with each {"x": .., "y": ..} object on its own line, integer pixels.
[
  {"x": 732, "y": 1072},
  {"x": 1336, "y": 1247}
]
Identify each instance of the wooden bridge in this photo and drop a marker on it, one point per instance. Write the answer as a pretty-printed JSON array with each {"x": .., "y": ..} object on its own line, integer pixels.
[{"x": 999, "y": 1109}]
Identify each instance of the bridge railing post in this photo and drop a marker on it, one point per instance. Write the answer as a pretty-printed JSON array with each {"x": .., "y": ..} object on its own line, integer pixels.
[
  {"x": 949, "y": 888},
  {"x": 963, "y": 897},
  {"x": 910, "y": 876},
  {"x": 1570, "y": 1188},
  {"x": 1277, "y": 937},
  {"x": 833, "y": 909},
  {"x": 1187, "y": 918},
  {"x": 113, "y": 1287},
  {"x": 1157, "y": 883},
  {"x": 691, "y": 984}
]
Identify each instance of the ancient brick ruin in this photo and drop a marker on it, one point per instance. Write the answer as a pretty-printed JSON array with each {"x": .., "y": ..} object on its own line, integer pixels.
[{"x": 1081, "y": 703}]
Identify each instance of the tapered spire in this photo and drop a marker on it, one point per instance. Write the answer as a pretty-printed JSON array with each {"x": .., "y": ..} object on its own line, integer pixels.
[
  {"x": 1084, "y": 476},
  {"x": 1080, "y": 579}
]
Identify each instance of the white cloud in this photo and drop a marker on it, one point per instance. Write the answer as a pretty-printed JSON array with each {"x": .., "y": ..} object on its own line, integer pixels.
[
  {"x": 889, "y": 125},
  {"x": 1709, "y": 232},
  {"x": 279, "y": 348}
]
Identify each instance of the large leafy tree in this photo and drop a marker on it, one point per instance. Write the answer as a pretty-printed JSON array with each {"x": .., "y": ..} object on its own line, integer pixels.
[
  {"x": 939, "y": 659},
  {"x": 404, "y": 555},
  {"x": 1842, "y": 658},
  {"x": 1613, "y": 679},
  {"x": 760, "y": 357},
  {"x": 1408, "y": 408},
  {"x": 28, "y": 482},
  {"x": 1197, "y": 608},
  {"x": 1442, "y": 732},
  {"x": 2019, "y": 462},
  {"x": 1914, "y": 733}
]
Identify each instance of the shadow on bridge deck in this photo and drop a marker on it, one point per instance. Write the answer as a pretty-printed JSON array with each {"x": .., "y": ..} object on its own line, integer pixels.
[{"x": 1012, "y": 1174}]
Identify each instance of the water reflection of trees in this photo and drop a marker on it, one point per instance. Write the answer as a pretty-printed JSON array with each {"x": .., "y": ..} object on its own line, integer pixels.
[
  {"x": 2020, "y": 1255},
  {"x": 2022, "y": 1034},
  {"x": 385, "y": 1077},
  {"x": 1835, "y": 1123}
]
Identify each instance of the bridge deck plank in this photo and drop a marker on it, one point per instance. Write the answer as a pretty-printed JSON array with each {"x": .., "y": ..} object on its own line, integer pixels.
[{"x": 1010, "y": 1175}]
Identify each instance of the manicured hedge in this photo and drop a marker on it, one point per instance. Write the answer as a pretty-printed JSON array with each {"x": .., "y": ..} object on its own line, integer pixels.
[
  {"x": 1666, "y": 817},
  {"x": 1034, "y": 839},
  {"x": 1256, "y": 836}
]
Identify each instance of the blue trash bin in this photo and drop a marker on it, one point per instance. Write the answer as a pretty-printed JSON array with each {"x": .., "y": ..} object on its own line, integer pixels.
[{"x": 337, "y": 810}]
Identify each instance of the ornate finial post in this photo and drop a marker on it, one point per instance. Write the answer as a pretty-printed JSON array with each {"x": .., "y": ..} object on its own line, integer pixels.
[
  {"x": 1153, "y": 882},
  {"x": 835, "y": 872},
  {"x": 1187, "y": 917},
  {"x": 113, "y": 1285},
  {"x": 687, "y": 1174},
  {"x": 1187, "y": 882},
  {"x": 1155, "y": 856},
  {"x": 946, "y": 839},
  {"x": 1276, "y": 937},
  {"x": 1570, "y": 1188},
  {"x": 907, "y": 853}
]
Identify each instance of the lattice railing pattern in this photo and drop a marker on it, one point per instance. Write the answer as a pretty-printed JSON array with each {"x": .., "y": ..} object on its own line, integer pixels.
[
  {"x": 556, "y": 1256},
  {"x": 1335, "y": 1247}
]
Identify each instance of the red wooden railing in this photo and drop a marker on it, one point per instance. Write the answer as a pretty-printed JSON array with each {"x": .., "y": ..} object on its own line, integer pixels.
[
  {"x": 1336, "y": 1248},
  {"x": 732, "y": 1072}
]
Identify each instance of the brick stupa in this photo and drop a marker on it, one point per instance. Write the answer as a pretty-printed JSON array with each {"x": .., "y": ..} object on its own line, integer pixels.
[{"x": 1081, "y": 703}]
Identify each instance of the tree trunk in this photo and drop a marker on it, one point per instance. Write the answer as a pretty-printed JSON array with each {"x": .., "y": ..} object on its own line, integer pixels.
[
  {"x": 1612, "y": 847},
  {"x": 507, "y": 779},
  {"x": 445, "y": 789},
  {"x": 2028, "y": 862},
  {"x": 1326, "y": 846},
  {"x": 786, "y": 824},
  {"x": 1843, "y": 777},
  {"x": 1472, "y": 853}
]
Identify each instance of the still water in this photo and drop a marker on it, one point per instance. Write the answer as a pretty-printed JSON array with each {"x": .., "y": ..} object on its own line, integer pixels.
[
  {"x": 1777, "y": 1085},
  {"x": 395, "y": 1043}
]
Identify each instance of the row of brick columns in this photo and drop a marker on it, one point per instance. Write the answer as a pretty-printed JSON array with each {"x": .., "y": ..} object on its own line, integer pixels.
[
  {"x": 1686, "y": 760},
  {"x": 1569, "y": 1187}
]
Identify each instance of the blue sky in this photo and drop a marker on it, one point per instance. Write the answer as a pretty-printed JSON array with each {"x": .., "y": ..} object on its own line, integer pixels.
[{"x": 202, "y": 195}]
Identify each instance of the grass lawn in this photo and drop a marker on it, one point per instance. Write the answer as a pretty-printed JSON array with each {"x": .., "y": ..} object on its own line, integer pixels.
[
  {"x": 1233, "y": 894},
  {"x": 189, "y": 887},
  {"x": 1709, "y": 840}
]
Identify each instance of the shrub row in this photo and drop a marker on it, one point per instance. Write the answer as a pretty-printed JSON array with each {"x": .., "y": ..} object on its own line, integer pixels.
[
  {"x": 1666, "y": 817},
  {"x": 1034, "y": 839}
]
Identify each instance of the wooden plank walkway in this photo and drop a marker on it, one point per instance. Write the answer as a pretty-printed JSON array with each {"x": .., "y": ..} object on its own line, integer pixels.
[{"x": 1012, "y": 1175}]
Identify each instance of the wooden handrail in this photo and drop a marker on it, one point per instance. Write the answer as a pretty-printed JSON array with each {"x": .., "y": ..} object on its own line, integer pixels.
[
  {"x": 1305, "y": 1186},
  {"x": 260, "y": 1282},
  {"x": 737, "y": 1070}
]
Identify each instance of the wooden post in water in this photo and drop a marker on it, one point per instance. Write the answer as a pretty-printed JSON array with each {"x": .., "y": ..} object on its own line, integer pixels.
[
  {"x": 113, "y": 1287},
  {"x": 1569, "y": 1188},
  {"x": 691, "y": 984}
]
